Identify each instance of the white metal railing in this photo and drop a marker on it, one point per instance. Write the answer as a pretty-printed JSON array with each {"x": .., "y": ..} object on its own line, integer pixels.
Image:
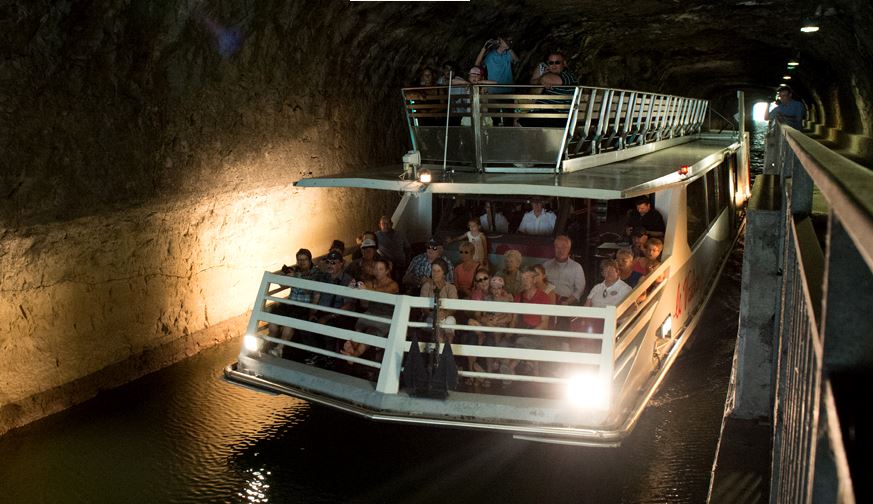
[
  {"x": 824, "y": 325},
  {"x": 549, "y": 130},
  {"x": 274, "y": 289}
]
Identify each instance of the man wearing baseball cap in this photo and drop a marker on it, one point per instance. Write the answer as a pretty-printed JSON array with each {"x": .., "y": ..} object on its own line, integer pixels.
[{"x": 419, "y": 268}]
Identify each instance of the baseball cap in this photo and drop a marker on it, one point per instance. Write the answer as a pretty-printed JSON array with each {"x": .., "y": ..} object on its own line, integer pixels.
[{"x": 368, "y": 243}]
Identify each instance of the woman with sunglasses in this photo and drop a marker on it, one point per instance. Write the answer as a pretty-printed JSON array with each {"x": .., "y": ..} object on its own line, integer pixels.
[
  {"x": 465, "y": 271},
  {"x": 480, "y": 285}
]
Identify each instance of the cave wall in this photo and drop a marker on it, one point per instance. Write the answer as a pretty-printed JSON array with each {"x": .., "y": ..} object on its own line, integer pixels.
[{"x": 149, "y": 151}]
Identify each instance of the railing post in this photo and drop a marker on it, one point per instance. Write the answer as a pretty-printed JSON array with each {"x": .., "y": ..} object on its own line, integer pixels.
[
  {"x": 409, "y": 120},
  {"x": 476, "y": 120},
  {"x": 392, "y": 359},
  {"x": 601, "y": 120},
  {"x": 568, "y": 128},
  {"x": 252, "y": 328},
  {"x": 801, "y": 186}
]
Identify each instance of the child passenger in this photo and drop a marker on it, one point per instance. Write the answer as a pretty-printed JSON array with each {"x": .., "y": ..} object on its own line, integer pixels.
[{"x": 478, "y": 239}]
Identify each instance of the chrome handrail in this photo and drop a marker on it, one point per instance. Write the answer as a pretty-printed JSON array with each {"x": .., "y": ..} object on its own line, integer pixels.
[{"x": 615, "y": 120}]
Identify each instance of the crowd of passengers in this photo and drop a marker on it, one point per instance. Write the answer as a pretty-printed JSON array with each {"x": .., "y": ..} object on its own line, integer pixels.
[
  {"x": 384, "y": 263},
  {"x": 494, "y": 65}
]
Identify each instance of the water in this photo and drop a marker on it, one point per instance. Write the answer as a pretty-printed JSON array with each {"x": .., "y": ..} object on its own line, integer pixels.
[
  {"x": 757, "y": 143},
  {"x": 184, "y": 435}
]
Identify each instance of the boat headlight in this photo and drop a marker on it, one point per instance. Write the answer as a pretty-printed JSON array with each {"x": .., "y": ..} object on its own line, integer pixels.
[
  {"x": 588, "y": 390},
  {"x": 251, "y": 343},
  {"x": 424, "y": 176}
]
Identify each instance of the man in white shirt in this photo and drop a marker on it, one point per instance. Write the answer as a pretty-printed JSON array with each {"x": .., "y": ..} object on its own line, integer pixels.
[
  {"x": 538, "y": 221},
  {"x": 501, "y": 225},
  {"x": 566, "y": 274},
  {"x": 612, "y": 290}
]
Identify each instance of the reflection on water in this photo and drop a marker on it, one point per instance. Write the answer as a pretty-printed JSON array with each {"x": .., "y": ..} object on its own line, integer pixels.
[
  {"x": 184, "y": 435},
  {"x": 757, "y": 143}
]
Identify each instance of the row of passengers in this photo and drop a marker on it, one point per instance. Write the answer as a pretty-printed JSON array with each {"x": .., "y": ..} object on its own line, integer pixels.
[
  {"x": 568, "y": 275},
  {"x": 535, "y": 289},
  {"x": 551, "y": 74}
]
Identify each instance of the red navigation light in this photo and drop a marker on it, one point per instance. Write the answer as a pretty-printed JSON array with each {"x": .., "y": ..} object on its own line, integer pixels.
[{"x": 683, "y": 171}]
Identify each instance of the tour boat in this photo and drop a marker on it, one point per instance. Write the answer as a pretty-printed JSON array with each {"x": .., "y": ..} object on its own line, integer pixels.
[{"x": 596, "y": 152}]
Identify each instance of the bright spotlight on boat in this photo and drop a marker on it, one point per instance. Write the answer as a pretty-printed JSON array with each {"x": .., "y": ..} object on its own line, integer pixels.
[
  {"x": 588, "y": 391},
  {"x": 424, "y": 176},
  {"x": 786, "y": 77},
  {"x": 251, "y": 343},
  {"x": 793, "y": 63},
  {"x": 809, "y": 27}
]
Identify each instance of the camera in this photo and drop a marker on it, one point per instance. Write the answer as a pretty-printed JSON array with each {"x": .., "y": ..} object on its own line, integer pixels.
[{"x": 286, "y": 270}]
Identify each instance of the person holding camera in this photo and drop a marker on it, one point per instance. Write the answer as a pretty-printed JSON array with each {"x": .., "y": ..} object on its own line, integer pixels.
[
  {"x": 303, "y": 269},
  {"x": 497, "y": 57},
  {"x": 787, "y": 110}
]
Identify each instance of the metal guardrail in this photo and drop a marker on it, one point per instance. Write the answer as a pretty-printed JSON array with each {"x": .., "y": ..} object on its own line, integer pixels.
[
  {"x": 824, "y": 325},
  {"x": 541, "y": 132},
  {"x": 600, "y": 347}
]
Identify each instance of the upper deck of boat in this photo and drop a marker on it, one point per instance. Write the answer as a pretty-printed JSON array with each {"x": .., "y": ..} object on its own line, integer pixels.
[{"x": 643, "y": 174}]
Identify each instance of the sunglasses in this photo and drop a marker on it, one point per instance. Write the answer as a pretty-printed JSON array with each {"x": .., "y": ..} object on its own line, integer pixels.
[
  {"x": 332, "y": 262},
  {"x": 482, "y": 279},
  {"x": 555, "y": 62},
  {"x": 436, "y": 247}
]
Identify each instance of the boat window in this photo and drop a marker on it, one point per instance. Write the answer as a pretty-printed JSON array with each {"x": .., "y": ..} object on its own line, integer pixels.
[
  {"x": 696, "y": 202},
  {"x": 711, "y": 197},
  {"x": 723, "y": 184}
]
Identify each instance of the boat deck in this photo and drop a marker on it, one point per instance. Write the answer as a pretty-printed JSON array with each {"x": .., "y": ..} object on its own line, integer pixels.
[{"x": 620, "y": 179}]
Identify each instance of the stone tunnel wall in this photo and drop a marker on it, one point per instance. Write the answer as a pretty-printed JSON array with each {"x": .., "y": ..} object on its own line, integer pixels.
[{"x": 149, "y": 151}]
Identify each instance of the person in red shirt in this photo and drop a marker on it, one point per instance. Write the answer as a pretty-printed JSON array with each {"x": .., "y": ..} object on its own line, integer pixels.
[{"x": 529, "y": 293}]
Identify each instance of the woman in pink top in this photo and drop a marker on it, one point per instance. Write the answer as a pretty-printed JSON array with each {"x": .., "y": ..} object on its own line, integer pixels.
[{"x": 465, "y": 270}]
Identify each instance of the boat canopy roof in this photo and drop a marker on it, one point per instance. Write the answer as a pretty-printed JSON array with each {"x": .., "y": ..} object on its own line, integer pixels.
[{"x": 640, "y": 175}]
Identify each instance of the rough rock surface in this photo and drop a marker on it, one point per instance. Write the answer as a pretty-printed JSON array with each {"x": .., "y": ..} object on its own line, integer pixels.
[{"x": 149, "y": 147}]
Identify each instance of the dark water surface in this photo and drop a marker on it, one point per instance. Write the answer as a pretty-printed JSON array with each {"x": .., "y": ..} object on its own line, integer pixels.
[{"x": 184, "y": 435}]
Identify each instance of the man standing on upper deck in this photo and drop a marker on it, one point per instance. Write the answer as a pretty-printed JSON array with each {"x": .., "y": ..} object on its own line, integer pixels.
[
  {"x": 566, "y": 274},
  {"x": 644, "y": 216},
  {"x": 497, "y": 57},
  {"x": 555, "y": 79},
  {"x": 537, "y": 221},
  {"x": 553, "y": 76},
  {"x": 787, "y": 110}
]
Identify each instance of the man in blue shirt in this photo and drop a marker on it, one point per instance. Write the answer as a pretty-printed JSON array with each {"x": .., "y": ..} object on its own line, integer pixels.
[
  {"x": 787, "y": 110},
  {"x": 497, "y": 57}
]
